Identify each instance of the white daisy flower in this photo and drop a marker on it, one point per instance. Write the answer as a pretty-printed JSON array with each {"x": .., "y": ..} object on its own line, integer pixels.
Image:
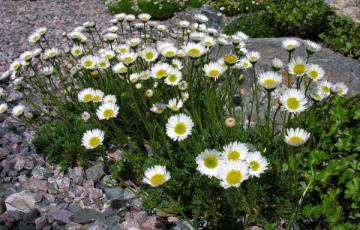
[
  {"x": 168, "y": 51},
  {"x": 277, "y": 64},
  {"x": 201, "y": 18},
  {"x": 156, "y": 176},
  {"x": 77, "y": 51},
  {"x": 297, "y": 66},
  {"x": 235, "y": 151},
  {"x": 194, "y": 50},
  {"x": 208, "y": 41},
  {"x": 26, "y": 56},
  {"x": 324, "y": 87},
  {"x": 158, "y": 108},
  {"x": 129, "y": 17},
  {"x": 86, "y": 95},
  {"x": 312, "y": 47},
  {"x": 239, "y": 37},
  {"x": 315, "y": 72},
  {"x": 340, "y": 89},
  {"x": 212, "y": 31},
  {"x": 173, "y": 78},
  {"x": 149, "y": 93},
  {"x": 257, "y": 164},
  {"x": 197, "y": 36},
  {"x": 290, "y": 44},
  {"x": 133, "y": 42},
  {"x": 161, "y": 28},
  {"x": 253, "y": 56},
  {"x": 42, "y": 30},
  {"x": 160, "y": 70},
  {"x": 145, "y": 75},
  {"x": 34, "y": 37},
  {"x": 52, "y": 52},
  {"x": 119, "y": 68},
  {"x": 184, "y": 24},
  {"x": 109, "y": 99},
  {"x": 223, "y": 41},
  {"x": 110, "y": 37},
  {"x": 184, "y": 96},
  {"x": 214, "y": 70},
  {"x": 103, "y": 63},
  {"x": 293, "y": 101},
  {"x": 144, "y": 17},
  {"x": 98, "y": 96},
  {"x": 179, "y": 127},
  {"x": 175, "y": 104},
  {"x": 107, "y": 54},
  {"x": 3, "y": 108},
  {"x": 269, "y": 80},
  {"x": 85, "y": 116},
  {"x": 113, "y": 29},
  {"x": 77, "y": 36},
  {"x": 18, "y": 110},
  {"x": 107, "y": 111},
  {"x": 120, "y": 17},
  {"x": 296, "y": 137},
  {"x": 209, "y": 162},
  {"x": 5, "y": 75},
  {"x": 177, "y": 64},
  {"x": 230, "y": 122},
  {"x": 233, "y": 174},
  {"x": 36, "y": 52},
  {"x": 318, "y": 96},
  {"x": 134, "y": 77},
  {"x": 243, "y": 63},
  {"x": 15, "y": 65},
  {"x": 89, "y": 24},
  {"x": 128, "y": 58},
  {"x": 92, "y": 138},
  {"x": 47, "y": 70},
  {"x": 149, "y": 54},
  {"x": 89, "y": 62},
  {"x": 123, "y": 48}
]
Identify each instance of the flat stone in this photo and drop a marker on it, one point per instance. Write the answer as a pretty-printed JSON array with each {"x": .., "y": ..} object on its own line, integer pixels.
[
  {"x": 77, "y": 175},
  {"x": 40, "y": 222},
  {"x": 40, "y": 172},
  {"x": 23, "y": 201},
  {"x": 114, "y": 193},
  {"x": 85, "y": 216},
  {"x": 95, "y": 172},
  {"x": 60, "y": 215}
]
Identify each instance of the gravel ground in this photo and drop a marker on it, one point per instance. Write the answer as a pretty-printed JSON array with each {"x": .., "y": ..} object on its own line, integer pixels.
[{"x": 18, "y": 18}]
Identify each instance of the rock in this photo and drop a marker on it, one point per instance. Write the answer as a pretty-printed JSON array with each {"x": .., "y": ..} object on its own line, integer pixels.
[
  {"x": 88, "y": 184},
  {"x": 152, "y": 223},
  {"x": 3, "y": 153},
  {"x": 95, "y": 172},
  {"x": 74, "y": 208},
  {"x": 85, "y": 216},
  {"x": 346, "y": 8},
  {"x": 36, "y": 185},
  {"x": 60, "y": 215},
  {"x": 6, "y": 167},
  {"x": 40, "y": 172},
  {"x": 20, "y": 163},
  {"x": 63, "y": 183},
  {"x": 40, "y": 222},
  {"x": 114, "y": 193},
  {"x": 23, "y": 201},
  {"x": 337, "y": 67},
  {"x": 29, "y": 164},
  {"x": 77, "y": 175},
  {"x": 128, "y": 195},
  {"x": 108, "y": 181},
  {"x": 117, "y": 204},
  {"x": 2, "y": 206},
  {"x": 139, "y": 217},
  {"x": 27, "y": 221},
  {"x": 94, "y": 193}
]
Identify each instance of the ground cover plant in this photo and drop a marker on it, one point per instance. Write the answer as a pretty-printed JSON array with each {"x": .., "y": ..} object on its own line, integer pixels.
[{"x": 194, "y": 144}]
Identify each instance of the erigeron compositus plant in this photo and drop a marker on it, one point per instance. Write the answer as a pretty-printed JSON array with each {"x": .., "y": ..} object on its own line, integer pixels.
[{"x": 174, "y": 95}]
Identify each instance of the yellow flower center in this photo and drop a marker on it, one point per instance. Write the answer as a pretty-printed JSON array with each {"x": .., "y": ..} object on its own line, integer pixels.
[
  {"x": 149, "y": 55},
  {"x": 161, "y": 73},
  {"x": 77, "y": 52},
  {"x": 172, "y": 78},
  {"x": 297, "y": 140},
  {"x": 230, "y": 59},
  {"x": 292, "y": 103},
  {"x": 269, "y": 83},
  {"x": 157, "y": 179},
  {"x": 299, "y": 69},
  {"x": 97, "y": 98},
  {"x": 94, "y": 141},
  {"x": 51, "y": 54},
  {"x": 170, "y": 53},
  {"x": 108, "y": 113},
  {"x": 88, "y": 97},
  {"x": 211, "y": 162},
  {"x": 102, "y": 64},
  {"x": 194, "y": 52},
  {"x": 214, "y": 73},
  {"x": 88, "y": 63},
  {"x": 233, "y": 177},
  {"x": 94, "y": 73},
  {"x": 254, "y": 165},
  {"x": 127, "y": 59},
  {"x": 233, "y": 155},
  {"x": 123, "y": 50},
  {"x": 180, "y": 128},
  {"x": 325, "y": 89},
  {"x": 108, "y": 56},
  {"x": 313, "y": 74}
]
